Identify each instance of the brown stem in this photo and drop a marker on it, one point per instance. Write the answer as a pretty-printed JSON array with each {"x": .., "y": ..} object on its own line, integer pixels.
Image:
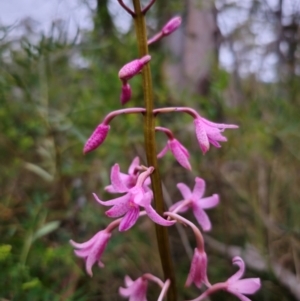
[{"x": 150, "y": 146}]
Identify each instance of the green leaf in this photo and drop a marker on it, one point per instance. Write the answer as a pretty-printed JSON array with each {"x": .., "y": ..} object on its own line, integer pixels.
[
  {"x": 39, "y": 171},
  {"x": 46, "y": 229},
  {"x": 4, "y": 251},
  {"x": 31, "y": 284}
]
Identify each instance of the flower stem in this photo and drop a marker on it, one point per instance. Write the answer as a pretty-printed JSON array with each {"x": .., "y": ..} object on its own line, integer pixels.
[{"x": 150, "y": 146}]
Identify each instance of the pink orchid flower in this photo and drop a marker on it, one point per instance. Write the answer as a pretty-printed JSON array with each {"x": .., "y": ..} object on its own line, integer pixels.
[
  {"x": 124, "y": 181},
  {"x": 193, "y": 199},
  {"x": 234, "y": 285},
  {"x": 198, "y": 269},
  {"x": 180, "y": 153},
  {"x": 239, "y": 287},
  {"x": 129, "y": 204},
  {"x": 135, "y": 290},
  {"x": 208, "y": 132},
  {"x": 92, "y": 250}
]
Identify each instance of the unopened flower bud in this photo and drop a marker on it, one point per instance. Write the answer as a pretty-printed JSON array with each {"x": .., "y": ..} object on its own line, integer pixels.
[
  {"x": 171, "y": 26},
  {"x": 125, "y": 94},
  {"x": 97, "y": 138},
  {"x": 134, "y": 67}
]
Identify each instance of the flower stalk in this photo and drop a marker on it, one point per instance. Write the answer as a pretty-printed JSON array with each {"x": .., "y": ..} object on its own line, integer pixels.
[
  {"x": 137, "y": 194},
  {"x": 150, "y": 146}
]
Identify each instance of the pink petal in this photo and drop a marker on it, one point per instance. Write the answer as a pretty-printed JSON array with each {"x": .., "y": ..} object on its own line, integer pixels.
[
  {"x": 96, "y": 251},
  {"x": 240, "y": 296},
  {"x": 185, "y": 191},
  {"x": 97, "y": 138},
  {"x": 239, "y": 274},
  {"x": 219, "y": 125},
  {"x": 163, "y": 152},
  {"x": 199, "y": 188},
  {"x": 176, "y": 205},
  {"x": 135, "y": 163},
  {"x": 209, "y": 202},
  {"x": 201, "y": 217},
  {"x": 100, "y": 264},
  {"x": 116, "y": 180},
  {"x": 110, "y": 189},
  {"x": 180, "y": 153},
  {"x": 122, "y": 199},
  {"x": 128, "y": 281},
  {"x": 136, "y": 291},
  {"x": 124, "y": 177},
  {"x": 86, "y": 244},
  {"x": 129, "y": 219},
  {"x": 125, "y": 292},
  {"x": 145, "y": 200},
  {"x": 245, "y": 286},
  {"x": 147, "y": 182},
  {"x": 214, "y": 143},
  {"x": 82, "y": 253},
  {"x": 216, "y": 136},
  {"x": 140, "y": 196},
  {"x": 198, "y": 269},
  {"x": 201, "y": 135},
  {"x": 184, "y": 150},
  {"x": 157, "y": 218},
  {"x": 118, "y": 210}
]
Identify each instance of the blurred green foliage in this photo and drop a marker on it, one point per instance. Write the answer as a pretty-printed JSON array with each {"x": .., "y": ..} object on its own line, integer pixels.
[{"x": 54, "y": 92}]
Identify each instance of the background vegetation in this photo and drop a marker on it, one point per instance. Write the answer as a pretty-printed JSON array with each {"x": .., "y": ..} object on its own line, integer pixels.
[{"x": 53, "y": 93}]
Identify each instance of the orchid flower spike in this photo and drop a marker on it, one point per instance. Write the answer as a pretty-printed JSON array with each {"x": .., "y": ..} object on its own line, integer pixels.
[
  {"x": 97, "y": 138},
  {"x": 128, "y": 180},
  {"x": 239, "y": 287},
  {"x": 133, "y": 68},
  {"x": 208, "y": 132},
  {"x": 129, "y": 204},
  {"x": 92, "y": 250},
  {"x": 135, "y": 290},
  {"x": 198, "y": 269},
  {"x": 194, "y": 200}
]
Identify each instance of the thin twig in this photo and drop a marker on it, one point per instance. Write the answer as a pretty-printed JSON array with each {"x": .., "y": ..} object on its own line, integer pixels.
[
  {"x": 131, "y": 12},
  {"x": 145, "y": 9}
]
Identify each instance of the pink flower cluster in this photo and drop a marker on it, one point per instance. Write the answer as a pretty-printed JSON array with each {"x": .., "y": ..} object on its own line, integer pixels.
[{"x": 136, "y": 197}]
